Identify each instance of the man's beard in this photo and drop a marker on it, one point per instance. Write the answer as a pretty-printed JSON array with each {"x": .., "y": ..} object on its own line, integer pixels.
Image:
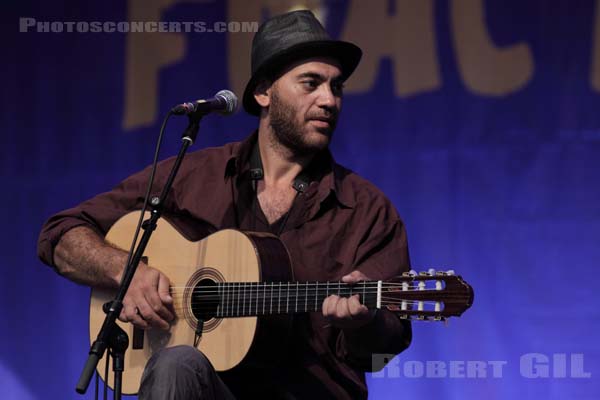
[{"x": 291, "y": 134}]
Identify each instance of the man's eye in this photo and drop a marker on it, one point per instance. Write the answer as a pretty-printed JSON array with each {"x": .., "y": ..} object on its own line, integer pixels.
[
  {"x": 338, "y": 87},
  {"x": 310, "y": 84}
]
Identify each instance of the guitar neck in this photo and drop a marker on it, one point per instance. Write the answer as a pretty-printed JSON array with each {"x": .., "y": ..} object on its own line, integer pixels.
[{"x": 243, "y": 299}]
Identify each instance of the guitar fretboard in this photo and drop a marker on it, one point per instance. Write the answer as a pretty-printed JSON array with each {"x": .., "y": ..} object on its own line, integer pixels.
[{"x": 242, "y": 299}]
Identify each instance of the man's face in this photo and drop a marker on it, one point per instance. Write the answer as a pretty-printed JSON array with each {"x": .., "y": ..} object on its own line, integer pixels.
[{"x": 304, "y": 105}]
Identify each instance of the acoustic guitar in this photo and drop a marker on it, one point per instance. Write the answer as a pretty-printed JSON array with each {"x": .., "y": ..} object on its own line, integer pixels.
[{"x": 232, "y": 288}]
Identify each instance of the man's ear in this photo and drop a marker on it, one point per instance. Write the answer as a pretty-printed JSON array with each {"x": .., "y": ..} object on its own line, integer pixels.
[{"x": 262, "y": 93}]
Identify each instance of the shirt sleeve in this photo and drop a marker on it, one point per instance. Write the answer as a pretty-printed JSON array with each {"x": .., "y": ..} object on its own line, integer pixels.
[
  {"x": 382, "y": 254},
  {"x": 100, "y": 212}
]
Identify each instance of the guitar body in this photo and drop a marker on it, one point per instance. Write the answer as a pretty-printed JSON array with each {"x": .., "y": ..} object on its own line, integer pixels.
[{"x": 225, "y": 256}]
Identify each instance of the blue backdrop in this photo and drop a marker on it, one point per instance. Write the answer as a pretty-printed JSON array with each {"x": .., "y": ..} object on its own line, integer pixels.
[{"x": 479, "y": 119}]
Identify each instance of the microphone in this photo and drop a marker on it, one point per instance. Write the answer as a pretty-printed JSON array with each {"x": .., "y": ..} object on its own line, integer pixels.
[{"x": 225, "y": 102}]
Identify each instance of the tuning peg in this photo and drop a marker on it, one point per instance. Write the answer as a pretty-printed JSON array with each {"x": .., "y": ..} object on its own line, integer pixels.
[
  {"x": 403, "y": 316},
  {"x": 412, "y": 272},
  {"x": 404, "y": 303},
  {"x": 420, "y": 317},
  {"x": 423, "y": 273},
  {"x": 431, "y": 271},
  {"x": 450, "y": 272}
]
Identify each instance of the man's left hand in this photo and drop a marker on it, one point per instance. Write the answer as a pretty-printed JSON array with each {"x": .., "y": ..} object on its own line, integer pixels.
[{"x": 348, "y": 312}]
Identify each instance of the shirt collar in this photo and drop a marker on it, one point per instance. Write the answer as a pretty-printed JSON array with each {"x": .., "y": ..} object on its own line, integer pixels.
[{"x": 324, "y": 170}]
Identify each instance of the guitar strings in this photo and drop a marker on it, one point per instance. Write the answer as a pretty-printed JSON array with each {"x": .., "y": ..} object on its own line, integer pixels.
[
  {"x": 253, "y": 288},
  {"x": 276, "y": 293},
  {"x": 294, "y": 284},
  {"x": 231, "y": 307},
  {"x": 233, "y": 310},
  {"x": 236, "y": 297},
  {"x": 254, "y": 293},
  {"x": 258, "y": 312},
  {"x": 209, "y": 306},
  {"x": 247, "y": 294},
  {"x": 229, "y": 304}
]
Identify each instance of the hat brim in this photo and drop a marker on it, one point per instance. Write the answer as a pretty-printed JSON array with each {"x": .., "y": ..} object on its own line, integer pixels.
[{"x": 347, "y": 54}]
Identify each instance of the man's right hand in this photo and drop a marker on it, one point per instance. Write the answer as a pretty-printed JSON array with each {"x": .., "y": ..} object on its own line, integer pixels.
[
  {"x": 83, "y": 256},
  {"x": 148, "y": 302}
]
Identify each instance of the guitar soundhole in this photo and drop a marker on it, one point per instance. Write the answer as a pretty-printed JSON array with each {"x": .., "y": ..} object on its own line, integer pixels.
[
  {"x": 201, "y": 298},
  {"x": 205, "y": 299}
]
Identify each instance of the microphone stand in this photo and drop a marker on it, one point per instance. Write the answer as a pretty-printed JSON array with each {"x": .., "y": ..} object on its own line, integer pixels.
[{"x": 111, "y": 335}]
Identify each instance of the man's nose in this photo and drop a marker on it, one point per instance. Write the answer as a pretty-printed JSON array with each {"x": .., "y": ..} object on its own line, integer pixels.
[{"x": 326, "y": 97}]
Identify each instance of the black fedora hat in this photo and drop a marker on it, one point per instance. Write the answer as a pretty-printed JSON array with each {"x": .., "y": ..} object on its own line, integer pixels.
[{"x": 291, "y": 37}]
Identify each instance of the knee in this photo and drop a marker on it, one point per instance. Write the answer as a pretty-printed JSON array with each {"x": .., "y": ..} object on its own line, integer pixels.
[
  {"x": 176, "y": 372},
  {"x": 179, "y": 359}
]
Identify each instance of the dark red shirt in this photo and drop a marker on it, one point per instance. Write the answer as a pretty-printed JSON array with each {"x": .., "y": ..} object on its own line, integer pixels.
[{"x": 340, "y": 223}]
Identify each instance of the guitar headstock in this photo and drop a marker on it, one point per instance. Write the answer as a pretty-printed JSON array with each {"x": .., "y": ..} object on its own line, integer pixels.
[{"x": 428, "y": 296}]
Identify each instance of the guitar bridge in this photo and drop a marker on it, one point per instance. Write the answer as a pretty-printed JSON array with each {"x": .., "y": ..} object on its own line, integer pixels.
[{"x": 138, "y": 338}]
